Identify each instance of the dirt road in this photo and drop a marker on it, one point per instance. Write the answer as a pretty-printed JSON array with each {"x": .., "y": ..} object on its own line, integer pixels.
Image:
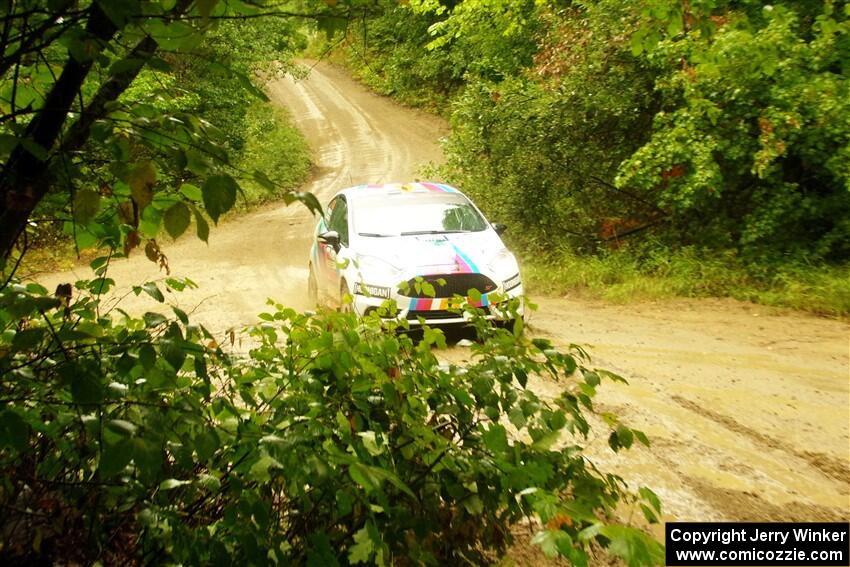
[
  {"x": 749, "y": 409},
  {"x": 355, "y": 137}
]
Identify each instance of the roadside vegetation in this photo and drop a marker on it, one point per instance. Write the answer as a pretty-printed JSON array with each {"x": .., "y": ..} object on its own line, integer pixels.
[
  {"x": 641, "y": 149},
  {"x": 217, "y": 82},
  {"x": 140, "y": 439}
]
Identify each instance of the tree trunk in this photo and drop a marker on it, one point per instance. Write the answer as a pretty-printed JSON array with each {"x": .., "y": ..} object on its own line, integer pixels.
[{"x": 24, "y": 180}]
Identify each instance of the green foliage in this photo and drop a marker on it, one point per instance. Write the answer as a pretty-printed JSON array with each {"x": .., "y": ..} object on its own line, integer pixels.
[
  {"x": 274, "y": 151},
  {"x": 656, "y": 272},
  {"x": 714, "y": 124},
  {"x": 166, "y": 98},
  {"x": 753, "y": 149},
  {"x": 417, "y": 54},
  {"x": 336, "y": 441}
]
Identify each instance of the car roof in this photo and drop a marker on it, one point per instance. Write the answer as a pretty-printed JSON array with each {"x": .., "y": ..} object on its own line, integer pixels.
[{"x": 373, "y": 189}]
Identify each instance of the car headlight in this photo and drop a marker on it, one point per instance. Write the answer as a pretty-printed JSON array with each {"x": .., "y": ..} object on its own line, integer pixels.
[
  {"x": 371, "y": 290},
  {"x": 511, "y": 282},
  {"x": 504, "y": 263},
  {"x": 372, "y": 268}
]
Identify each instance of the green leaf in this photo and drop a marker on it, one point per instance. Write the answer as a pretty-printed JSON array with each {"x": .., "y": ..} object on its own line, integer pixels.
[
  {"x": 206, "y": 444},
  {"x": 141, "y": 180},
  {"x": 114, "y": 458},
  {"x": 361, "y": 474},
  {"x": 122, "y": 427},
  {"x": 370, "y": 443},
  {"x": 219, "y": 192},
  {"x": 591, "y": 378},
  {"x": 311, "y": 202},
  {"x": 128, "y": 65},
  {"x": 86, "y": 205},
  {"x": 191, "y": 192},
  {"x": 650, "y": 497},
  {"x": 201, "y": 226},
  {"x": 173, "y": 354},
  {"x": 35, "y": 149},
  {"x": 521, "y": 376},
  {"x": 153, "y": 319},
  {"x": 260, "y": 470},
  {"x": 263, "y": 180},
  {"x": 331, "y": 25},
  {"x": 14, "y": 431},
  {"x": 7, "y": 143},
  {"x": 320, "y": 553},
  {"x": 147, "y": 356},
  {"x": 205, "y": 7},
  {"x": 86, "y": 387},
  {"x": 172, "y": 483},
  {"x": 153, "y": 290},
  {"x": 363, "y": 547},
  {"x": 181, "y": 315},
  {"x": 519, "y": 325},
  {"x": 496, "y": 438},
  {"x": 636, "y": 42},
  {"x": 624, "y": 434},
  {"x": 176, "y": 219},
  {"x": 551, "y": 542},
  {"x": 28, "y": 339},
  {"x": 633, "y": 546}
]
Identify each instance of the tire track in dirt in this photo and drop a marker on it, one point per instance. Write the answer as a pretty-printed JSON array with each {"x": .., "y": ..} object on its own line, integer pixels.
[
  {"x": 829, "y": 466},
  {"x": 747, "y": 407}
]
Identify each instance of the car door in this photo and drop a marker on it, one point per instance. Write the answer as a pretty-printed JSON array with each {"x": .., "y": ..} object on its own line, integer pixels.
[{"x": 329, "y": 256}]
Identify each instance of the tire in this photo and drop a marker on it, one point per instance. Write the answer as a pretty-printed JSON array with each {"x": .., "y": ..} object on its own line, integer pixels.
[{"x": 312, "y": 288}]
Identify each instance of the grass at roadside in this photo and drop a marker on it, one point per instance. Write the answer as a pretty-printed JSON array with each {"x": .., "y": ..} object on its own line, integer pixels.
[
  {"x": 623, "y": 276},
  {"x": 274, "y": 146}
]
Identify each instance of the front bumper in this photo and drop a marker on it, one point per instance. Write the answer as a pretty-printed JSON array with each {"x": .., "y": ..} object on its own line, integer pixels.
[{"x": 436, "y": 311}]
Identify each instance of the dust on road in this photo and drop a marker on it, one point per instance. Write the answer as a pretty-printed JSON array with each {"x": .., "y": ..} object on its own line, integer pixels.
[{"x": 748, "y": 409}]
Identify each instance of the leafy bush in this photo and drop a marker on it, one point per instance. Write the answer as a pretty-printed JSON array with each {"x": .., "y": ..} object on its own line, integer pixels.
[
  {"x": 335, "y": 441},
  {"x": 752, "y": 148}
]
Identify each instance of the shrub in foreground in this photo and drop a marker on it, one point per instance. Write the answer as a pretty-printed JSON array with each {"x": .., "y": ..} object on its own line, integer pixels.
[{"x": 335, "y": 441}]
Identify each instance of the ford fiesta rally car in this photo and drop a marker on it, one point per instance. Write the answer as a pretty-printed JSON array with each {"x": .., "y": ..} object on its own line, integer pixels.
[{"x": 380, "y": 242}]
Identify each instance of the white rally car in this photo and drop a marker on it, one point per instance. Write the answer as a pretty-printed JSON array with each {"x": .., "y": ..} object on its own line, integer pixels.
[{"x": 379, "y": 242}]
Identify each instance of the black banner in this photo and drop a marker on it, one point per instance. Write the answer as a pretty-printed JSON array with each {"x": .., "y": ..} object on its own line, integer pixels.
[{"x": 758, "y": 543}]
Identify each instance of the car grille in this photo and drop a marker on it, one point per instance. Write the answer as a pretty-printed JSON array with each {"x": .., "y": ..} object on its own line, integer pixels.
[
  {"x": 456, "y": 284},
  {"x": 438, "y": 314}
]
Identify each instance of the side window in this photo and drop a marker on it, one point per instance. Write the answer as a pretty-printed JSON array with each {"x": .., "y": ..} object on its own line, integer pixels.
[
  {"x": 338, "y": 220},
  {"x": 329, "y": 210}
]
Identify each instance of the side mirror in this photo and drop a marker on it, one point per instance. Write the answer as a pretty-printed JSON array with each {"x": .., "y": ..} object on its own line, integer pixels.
[
  {"x": 499, "y": 228},
  {"x": 331, "y": 238}
]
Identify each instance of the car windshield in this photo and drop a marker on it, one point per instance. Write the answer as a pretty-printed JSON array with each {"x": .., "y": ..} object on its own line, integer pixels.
[{"x": 415, "y": 213}]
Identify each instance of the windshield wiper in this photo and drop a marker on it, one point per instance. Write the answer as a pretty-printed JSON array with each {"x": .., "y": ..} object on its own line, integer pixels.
[
  {"x": 375, "y": 234},
  {"x": 412, "y": 233}
]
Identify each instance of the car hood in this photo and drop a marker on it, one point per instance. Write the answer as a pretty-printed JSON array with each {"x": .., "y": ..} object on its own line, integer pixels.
[{"x": 435, "y": 253}]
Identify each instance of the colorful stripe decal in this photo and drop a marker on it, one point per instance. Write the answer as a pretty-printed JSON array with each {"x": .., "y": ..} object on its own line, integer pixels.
[
  {"x": 442, "y": 303},
  {"x": 438, "y": 187},
  {"x": 462, "y": 261}
]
